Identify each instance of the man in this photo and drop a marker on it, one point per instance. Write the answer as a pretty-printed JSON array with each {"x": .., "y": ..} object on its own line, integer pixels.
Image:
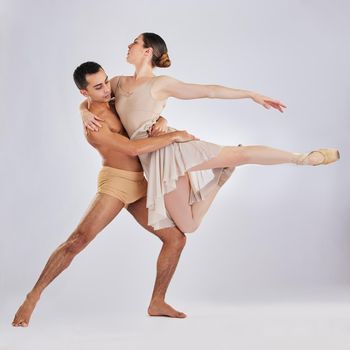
[{"x": 120, "y": 184}]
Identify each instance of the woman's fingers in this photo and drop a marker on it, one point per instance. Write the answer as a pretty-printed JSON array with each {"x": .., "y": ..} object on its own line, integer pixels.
[
  {"x": 268, "y": 102},
  {"x": 157, "y": 132},
  {"x": 96, "y": 123},
  {"x": 275, "y": 104},
  {"x": 88, "y": 126}
]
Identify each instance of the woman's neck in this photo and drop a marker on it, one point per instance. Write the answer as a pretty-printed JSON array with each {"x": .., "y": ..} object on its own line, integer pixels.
[{"x": 143, "y": 70}]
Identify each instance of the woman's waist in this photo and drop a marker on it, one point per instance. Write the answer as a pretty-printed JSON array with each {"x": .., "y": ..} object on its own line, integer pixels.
[
  {"x": 143, "y": 127},
  {"x": 142, "y": 133}
]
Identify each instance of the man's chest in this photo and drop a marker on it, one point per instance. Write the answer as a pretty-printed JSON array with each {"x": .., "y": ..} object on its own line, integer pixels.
[{"x": 113, "y": 122}]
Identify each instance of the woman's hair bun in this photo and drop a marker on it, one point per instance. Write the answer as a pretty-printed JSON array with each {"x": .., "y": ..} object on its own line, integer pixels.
[{"x": 163, "y": 61}]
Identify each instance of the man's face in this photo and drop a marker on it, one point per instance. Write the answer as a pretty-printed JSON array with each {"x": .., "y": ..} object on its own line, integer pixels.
[{"x": 98, "y": 88}]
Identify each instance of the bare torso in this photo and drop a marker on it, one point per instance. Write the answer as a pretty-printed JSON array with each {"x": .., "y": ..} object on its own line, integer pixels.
[{"x": 110, "y": 156}]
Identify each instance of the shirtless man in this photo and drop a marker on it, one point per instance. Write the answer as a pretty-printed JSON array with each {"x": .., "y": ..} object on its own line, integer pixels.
[{"x": 120, "y": 184}]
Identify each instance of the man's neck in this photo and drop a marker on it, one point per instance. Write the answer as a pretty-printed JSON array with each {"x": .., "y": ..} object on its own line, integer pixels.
[{"x": 99, "y": 105}]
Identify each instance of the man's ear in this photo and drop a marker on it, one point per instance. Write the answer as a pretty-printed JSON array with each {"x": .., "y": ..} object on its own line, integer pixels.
[{"x": 84, "y": 92}]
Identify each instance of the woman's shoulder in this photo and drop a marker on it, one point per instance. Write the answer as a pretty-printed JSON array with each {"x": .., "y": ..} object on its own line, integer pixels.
[
  {"x": 121, "y": 77},
  {"x": 163, "y": 80},
  {"x": 162, "y": 77},
  {"x": 114, "y": 81}
]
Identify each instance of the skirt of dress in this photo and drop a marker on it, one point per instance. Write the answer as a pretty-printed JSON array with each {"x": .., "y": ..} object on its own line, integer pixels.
[{"x": 163, "y": 167}]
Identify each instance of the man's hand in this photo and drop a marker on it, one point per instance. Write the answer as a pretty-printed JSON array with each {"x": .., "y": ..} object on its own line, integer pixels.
[
  {"x": 184, "y": 136},
  {"x": 90, "y": 120},
  {"x": 158, "y": 128}
]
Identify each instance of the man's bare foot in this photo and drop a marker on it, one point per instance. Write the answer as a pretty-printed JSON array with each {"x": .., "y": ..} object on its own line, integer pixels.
[
  {"x": 24, "y": 312},
  {"x": 161, "y": 308}
]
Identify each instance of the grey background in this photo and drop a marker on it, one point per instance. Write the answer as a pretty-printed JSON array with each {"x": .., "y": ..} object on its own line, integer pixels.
[{"x": 274, "y": 233}]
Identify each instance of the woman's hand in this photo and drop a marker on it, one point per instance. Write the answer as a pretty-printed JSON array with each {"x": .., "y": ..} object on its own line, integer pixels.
[
  {"x": 90, "y": 120},
  {"x": 158, "y": 128},
  {"x": 267, "y": 102}
]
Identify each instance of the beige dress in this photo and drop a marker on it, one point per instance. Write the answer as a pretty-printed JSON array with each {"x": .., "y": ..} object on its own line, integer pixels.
[{"x": 138, "y": 110}]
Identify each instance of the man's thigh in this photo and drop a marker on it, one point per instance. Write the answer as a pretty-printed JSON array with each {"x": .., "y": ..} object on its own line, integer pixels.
[
  {"x": 140, "y": 213},
  {"x": 103, "y": 209}
]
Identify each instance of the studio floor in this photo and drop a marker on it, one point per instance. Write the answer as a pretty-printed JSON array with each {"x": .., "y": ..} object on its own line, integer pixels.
[{"x": 311, "y": 320}]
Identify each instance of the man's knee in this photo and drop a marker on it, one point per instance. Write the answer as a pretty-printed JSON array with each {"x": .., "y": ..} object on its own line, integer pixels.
[
  {"x": 180, "y": 241},
  {"x": 174, "y": 237},
  {"x": 78, "y": 240}
]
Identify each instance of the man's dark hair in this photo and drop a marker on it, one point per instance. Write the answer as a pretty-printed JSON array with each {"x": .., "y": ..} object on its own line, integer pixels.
[{"x": 80, "y": 73}]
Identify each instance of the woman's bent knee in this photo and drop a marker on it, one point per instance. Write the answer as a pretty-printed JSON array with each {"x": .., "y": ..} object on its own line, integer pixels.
[{"x": 189, "y": 227}]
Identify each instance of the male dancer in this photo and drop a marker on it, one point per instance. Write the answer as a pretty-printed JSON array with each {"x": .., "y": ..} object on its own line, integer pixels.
[{"x": 120, "y": 184}]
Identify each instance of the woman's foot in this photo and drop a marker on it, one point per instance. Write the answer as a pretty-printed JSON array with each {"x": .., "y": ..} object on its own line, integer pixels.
[{"x": 318, "y": 157}]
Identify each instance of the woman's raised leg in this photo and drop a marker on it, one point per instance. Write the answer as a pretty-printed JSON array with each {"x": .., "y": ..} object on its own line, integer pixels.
[
  {"x": 234, "y": 156},
  {"x": 188, "y": 217}
]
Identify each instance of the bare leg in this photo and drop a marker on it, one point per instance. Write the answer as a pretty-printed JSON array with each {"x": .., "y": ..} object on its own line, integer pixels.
[
  {"x": 197, "y": 210},
  {"x": 186, "y": 217},
  {"x": 102, "y": 211},
  {"x": 261, "y": 155},
  {"x": 173, "y": 243}
]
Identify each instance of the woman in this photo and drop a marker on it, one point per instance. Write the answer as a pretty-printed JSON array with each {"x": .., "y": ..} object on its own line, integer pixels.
[{"x": 183, "y": 179}]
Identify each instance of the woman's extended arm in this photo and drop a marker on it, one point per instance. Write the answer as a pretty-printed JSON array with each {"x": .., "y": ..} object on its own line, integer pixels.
[{"x": 165, "y": 87}]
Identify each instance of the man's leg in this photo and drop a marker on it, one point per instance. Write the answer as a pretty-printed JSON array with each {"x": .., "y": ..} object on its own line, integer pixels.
[
  {"x": 173, "y": 243},
  {"x": 102, "y": 211}
]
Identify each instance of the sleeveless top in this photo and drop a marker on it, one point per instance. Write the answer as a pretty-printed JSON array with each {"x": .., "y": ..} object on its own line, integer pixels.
[{"x": 138, "y": 110}]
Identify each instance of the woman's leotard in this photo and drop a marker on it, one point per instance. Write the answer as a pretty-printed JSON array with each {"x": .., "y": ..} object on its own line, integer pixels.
[{"x": 138, "y": 110}]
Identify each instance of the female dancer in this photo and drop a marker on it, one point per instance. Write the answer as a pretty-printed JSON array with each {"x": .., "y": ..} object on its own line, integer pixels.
[{"x": 184, "y": 178}]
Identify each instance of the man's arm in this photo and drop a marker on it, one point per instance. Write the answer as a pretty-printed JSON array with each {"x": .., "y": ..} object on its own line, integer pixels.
[
  {"x": 110, "y": 140},
  {"x": 156, "y": 129},
  {"x": 84, "y": 106}
]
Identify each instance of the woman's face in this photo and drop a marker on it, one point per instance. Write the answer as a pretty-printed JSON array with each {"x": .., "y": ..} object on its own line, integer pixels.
[{"x": 136, "y": 51}]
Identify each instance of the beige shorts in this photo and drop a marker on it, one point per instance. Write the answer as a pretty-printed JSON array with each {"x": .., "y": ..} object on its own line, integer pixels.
[{"x": 127, "y": 186}]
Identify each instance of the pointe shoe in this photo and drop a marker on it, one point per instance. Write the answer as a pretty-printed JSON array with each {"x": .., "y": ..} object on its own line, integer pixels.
[
  {"x": 226, "y": 173},
  {"x": 330, "y": 155}
]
